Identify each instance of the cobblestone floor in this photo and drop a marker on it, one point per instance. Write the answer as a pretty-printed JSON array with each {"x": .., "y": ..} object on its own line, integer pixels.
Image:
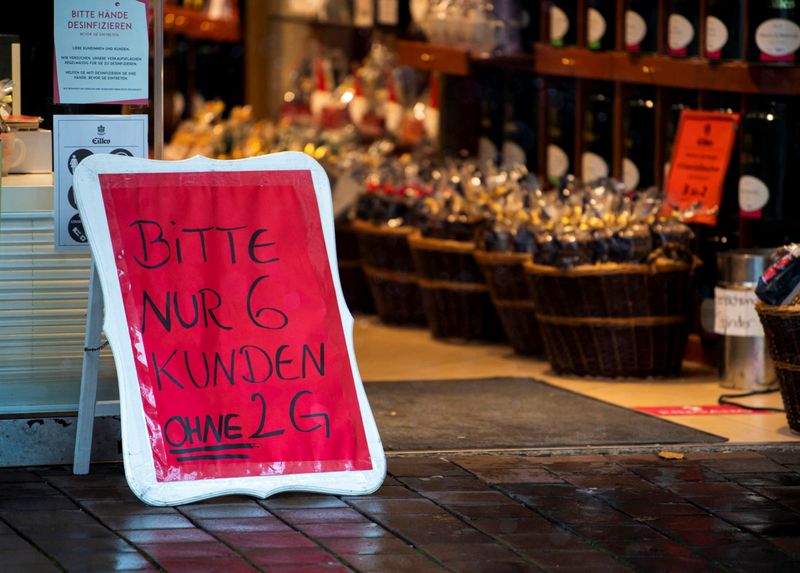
[{"x": 709, "y": 512}]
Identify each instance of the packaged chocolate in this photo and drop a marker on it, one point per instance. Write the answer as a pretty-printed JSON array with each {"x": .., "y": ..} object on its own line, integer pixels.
[
  {"x": 602, "y": 244},
  {"x": 631, "y": 244},
  {"x": 461, "y": 227},
  {"x": 523, "y": 241},
  {"x": 671, "y": 232},
  {"x": 496, "y": 240},
  {"x": 575, "y": 248},
  {"x": 547, "y": 248},
  {"x": 780, "y": 283}
]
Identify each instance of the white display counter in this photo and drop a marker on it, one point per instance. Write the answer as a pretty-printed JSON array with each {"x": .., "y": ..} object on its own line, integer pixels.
[{"x": 43, "y": 297}]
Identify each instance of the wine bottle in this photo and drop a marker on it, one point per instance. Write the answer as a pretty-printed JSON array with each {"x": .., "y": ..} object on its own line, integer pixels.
[
  {"x": 363, "y": 13},
  {"x": 638, "y": 163},
  {"x": 767, "y": 154},
  {"x": 683, "y": 101},
  {"x": 774, "y": 31},
  {"x": 600, "y": 24},
  {"x": 515, "y": 19},
  {"x": 529, "y": 34},
  {"x": 492, "y": 110},
  {"x": 598, "y": 138},
  {"x": 519, "y": 144},
  {"x": 682, "y": 28},
  {"x": 560, "y": 132},
  {"x": 723, "y": 30},
  {"x": 394, "y": 13},
  {"x": 563, "y": 29},
  {"x": 729, "y": 206},
  {"x": 641, "y": 25},
  {"x": 709, "y": 242}
]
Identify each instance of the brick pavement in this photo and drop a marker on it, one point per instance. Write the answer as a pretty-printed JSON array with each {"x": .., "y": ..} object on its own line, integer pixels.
[{"x": 490, "y": 513}]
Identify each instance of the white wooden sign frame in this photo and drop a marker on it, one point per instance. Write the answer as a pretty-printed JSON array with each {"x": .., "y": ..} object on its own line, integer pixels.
[{"x": 137, "y": 452}]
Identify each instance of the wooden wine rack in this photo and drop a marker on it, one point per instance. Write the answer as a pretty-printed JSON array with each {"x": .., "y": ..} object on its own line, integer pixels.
[
  {"x": 666, "y": 71},
  {"x": 622, "y": 73}
]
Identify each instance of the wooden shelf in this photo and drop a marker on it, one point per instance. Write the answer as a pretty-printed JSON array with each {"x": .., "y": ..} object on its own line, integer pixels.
[
  {"x": 317, "y": 23},
  {"x": 454, "y": 61},
  {"x": 665, "y": 71},
  {"x": 647, "y": 69},
  {"x": 433, "y": 57},
  {"x": 520, "y": 61},
  {"x": 309, "y": 21},
  {"x": 195, "y": 24}
]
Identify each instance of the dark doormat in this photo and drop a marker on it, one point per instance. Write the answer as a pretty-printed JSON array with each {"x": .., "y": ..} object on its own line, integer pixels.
[{"x": 489, "y": 413}]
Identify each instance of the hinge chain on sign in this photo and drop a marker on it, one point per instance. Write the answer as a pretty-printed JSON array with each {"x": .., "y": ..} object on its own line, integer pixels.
[{"x": 97, "y": 349}]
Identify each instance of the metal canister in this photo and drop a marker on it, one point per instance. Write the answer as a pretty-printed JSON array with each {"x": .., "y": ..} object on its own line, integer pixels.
[{"x": 746, "y": 364}]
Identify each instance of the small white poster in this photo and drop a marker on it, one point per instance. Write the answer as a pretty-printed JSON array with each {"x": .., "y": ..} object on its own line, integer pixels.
[
  {"x": 101, "y": 51},
  {"x": 76, "y": 137},
  {"x": 735, "y": 313}
]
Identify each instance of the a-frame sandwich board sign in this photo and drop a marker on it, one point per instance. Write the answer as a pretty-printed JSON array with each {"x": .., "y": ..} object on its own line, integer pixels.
[{"x": 231, "y": 338}]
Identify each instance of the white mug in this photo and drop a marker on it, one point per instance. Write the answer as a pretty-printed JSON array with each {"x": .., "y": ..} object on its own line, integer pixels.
[{"x": 20, "y": 152}]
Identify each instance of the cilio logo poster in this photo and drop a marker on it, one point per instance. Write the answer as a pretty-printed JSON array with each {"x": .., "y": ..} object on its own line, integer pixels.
[{"x": 76, "y": 137}]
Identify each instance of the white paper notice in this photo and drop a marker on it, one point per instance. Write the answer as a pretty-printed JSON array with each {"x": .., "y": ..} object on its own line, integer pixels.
[
  {"x": 101, "y": 51},
  {"x": 735, "y": 313},
  {"x": 76, "y": 137}
]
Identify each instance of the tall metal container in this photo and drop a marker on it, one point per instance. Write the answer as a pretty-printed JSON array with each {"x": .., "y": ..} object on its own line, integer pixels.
[{"x": 746, "y": 364}]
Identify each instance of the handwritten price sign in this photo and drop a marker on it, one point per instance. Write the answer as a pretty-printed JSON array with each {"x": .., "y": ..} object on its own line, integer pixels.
[
  {"x": 735, "y": 313},
  {"x": 700, "y": 159},
  {"x": 228, "y": 326}
]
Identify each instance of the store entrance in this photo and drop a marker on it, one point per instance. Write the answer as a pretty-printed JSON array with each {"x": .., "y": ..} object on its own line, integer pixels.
[{"x": 460, "y": 169}]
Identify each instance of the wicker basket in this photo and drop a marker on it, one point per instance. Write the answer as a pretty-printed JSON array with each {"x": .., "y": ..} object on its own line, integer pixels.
[
  {"x": 613, "y": 320},
  {"x": 387, "y": 263},
  {"x": 354, "y": 282},
  {"x": 782, "y": 330},
  {"x": 508, "y": 288},
  {"x": 454, "y": 292}
]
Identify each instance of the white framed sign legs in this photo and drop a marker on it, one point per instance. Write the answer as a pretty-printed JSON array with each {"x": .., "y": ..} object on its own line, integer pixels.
[{"x": 88, "y": 406}]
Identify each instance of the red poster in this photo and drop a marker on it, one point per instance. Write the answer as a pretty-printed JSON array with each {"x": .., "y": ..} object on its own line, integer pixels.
[
  {"x": 234, "y": 325},
  {"x": 706, "y": 410},
  {"x": 700, "y": 160}
]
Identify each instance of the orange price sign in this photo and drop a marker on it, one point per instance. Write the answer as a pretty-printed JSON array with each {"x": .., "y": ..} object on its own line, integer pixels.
[{"x": 700, "y": 160}]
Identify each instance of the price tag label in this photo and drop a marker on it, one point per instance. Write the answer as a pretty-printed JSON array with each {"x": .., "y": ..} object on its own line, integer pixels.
[
  {"x": 735, "y": 313},
  {"x": 700, "y": 160}
]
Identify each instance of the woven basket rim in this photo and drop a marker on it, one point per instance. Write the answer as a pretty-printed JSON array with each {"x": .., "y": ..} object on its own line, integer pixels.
[
  {"x": 780, "y": 311},
  {"x": 503, "y": 258},
  {"x": 612, "y": 321},
  {"x": 417, "y": 241},
  {"x": 373, "y": 229},
  {"x": 389, "y": 275},
  {"x": 659, "y": 266},
  {"x": 456, "y": 286}
]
